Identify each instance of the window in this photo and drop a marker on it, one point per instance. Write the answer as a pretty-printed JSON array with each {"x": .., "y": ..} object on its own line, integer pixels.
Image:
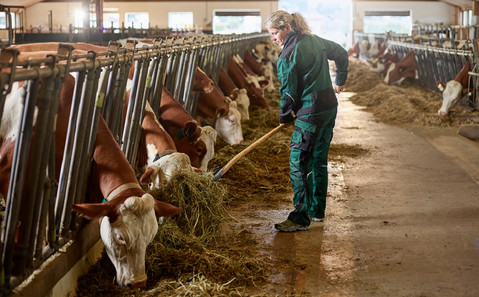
[
  {"x": 238, "y": 22},
  {"x": 80, "y": 14},
  {"x": 180, "y": 20},
  {"x": 3, "y": 20},
  {"x": 111, "y": 20},
  {"x": 466, "y": 17},
  {"x": 78, "y": 18},
  {"x": 399, "y": 22},
  {"x": 137, "y": 20}
]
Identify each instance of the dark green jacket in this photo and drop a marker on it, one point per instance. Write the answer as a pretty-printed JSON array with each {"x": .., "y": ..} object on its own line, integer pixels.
[{"x": 303, "y": 71}]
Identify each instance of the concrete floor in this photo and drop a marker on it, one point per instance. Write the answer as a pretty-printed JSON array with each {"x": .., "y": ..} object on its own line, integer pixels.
[{"x": 402, "y": 220}]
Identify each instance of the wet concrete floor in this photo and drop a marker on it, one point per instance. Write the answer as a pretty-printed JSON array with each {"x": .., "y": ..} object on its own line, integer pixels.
[{"x": 402, "y": 220}]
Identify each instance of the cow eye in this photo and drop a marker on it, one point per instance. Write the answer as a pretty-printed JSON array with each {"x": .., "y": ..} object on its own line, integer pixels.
[
  {"x": 199, "y": 149},
  {"x": 120, "y": 239}
]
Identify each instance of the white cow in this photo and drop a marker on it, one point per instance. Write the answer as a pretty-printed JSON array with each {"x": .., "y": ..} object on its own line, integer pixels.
[{"x": 453, "y": 90}]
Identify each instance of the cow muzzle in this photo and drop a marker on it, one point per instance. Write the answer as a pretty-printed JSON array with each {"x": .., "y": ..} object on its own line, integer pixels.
[{"x": 139, "y": 285}]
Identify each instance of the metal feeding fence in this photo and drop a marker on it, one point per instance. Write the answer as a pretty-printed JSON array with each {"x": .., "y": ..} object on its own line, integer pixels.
[
  {"x": 435, "y": 64},
  {"x": 35, "y": 197}
]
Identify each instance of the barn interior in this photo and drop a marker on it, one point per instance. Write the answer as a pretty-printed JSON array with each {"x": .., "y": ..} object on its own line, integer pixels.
[{"x": 402, "y": 214}]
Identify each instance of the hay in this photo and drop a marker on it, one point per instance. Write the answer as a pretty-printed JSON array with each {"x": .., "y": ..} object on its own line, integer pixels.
[
  {"x": 200, "y": 252},
  {"x": 201, "y": 199},
  {"x": 404, "y": 105},
  {"x": 360, "y": 76},
  {"x": 265, "y": 169}
]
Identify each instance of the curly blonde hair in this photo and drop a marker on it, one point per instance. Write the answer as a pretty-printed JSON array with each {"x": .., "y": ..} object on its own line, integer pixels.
[{"x": 278, "y": 19}]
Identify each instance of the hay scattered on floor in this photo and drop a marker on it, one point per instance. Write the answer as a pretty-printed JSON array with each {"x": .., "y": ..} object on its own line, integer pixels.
[
  {"x": 407, "y": 104},
  {"x": 200, "y": 253}
]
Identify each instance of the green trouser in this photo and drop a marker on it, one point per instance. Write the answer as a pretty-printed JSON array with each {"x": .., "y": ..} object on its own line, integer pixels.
[{"x": 309, "y": 165}]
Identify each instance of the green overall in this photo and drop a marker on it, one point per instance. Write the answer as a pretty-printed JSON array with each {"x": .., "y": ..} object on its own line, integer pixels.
[{"x": 307, "y": 95}]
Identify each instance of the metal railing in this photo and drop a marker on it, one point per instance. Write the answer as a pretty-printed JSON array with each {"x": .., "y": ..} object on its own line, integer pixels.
[{"x": 39, "y": 200}]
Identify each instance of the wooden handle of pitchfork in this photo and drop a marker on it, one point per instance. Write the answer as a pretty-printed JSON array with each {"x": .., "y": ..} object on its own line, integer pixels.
[{"x": 225, "y": 168}]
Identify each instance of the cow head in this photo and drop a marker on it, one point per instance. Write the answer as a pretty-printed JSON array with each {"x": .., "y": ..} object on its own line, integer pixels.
[
  {"x": 188, "y": 141},
  {"x": 243, "y": 103},
  {"x": 254, "y": 89},
  {"x": 451, "y": 93},
  {"x": 202, "y": 83},
  {"x": 228, "y": 126},
  {"x": 454, "y": 90},
  {"x": 208, "y": 139},
  {"x": 164, "y": 167},
  {"x": 126, "y": 229},
  {"x": 397, "y": 72}
]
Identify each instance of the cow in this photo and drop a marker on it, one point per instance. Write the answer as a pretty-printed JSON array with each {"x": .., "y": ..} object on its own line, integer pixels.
[
  {"x": 381, "y": 63},
  {"x": 253, "y": 86},
  {"x": 213, "y": 106},
  {"x": 364, "y": 48},
  {"x": 253, "y": 64},
  {"x": 266, "y": 51},
  {"x": 374, "y": 49},
  {"x": 128, "y": 218},
  {"x": 188, "y": 135},
  {"x": 454, "y": 89},
  {"x": 156, "y": 170},
  {"x": 240, "y": 96},
  {"x": 405, "y": 68},
  {"x": 157, "y": 152},
  {"x": 262, "y": 70},
  {"x": 354, "y": 50}
]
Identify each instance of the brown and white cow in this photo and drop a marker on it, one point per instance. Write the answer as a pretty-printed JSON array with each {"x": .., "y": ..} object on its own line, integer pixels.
[
  {"x": 264, "y": 69},
  {"x": 354, "y": 50},
  {"x": 253, "y": 86},
  {"x": 220, "y": 112},
  {"x": 188, "y": 135},
  {"x": 266, "y": 51},
  {"x": 157, "y": 153},
  {"x": 454, "y": 90},
  {"x": 240, "y": 96},
  {"x": 129, "y": 217},
  {"x": 405, "y": 68}
]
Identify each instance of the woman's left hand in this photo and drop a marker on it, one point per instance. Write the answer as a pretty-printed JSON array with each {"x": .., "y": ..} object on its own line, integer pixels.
[{"x": 338, "y": 89}]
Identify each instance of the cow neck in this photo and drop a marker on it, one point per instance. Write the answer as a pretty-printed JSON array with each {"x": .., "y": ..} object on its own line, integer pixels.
[{"x": 125, "y": 191}]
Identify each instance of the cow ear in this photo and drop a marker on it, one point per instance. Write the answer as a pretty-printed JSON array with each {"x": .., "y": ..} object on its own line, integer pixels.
[
  {"x": 163, "y": 209},
  {"x": 233, "y": 104},
  {"x": 221, "y": 112},
  {"x": 150, "y": 173},
  {"x": 189, "y": 130},
  {"x": 441, "y": 85},
  {"x": 94, "y": 211}
]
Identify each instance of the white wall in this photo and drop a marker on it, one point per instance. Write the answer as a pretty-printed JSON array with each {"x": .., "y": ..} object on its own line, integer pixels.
[
  {"x": 423, "y": 12},
  {"x": 64, "y": 12}
]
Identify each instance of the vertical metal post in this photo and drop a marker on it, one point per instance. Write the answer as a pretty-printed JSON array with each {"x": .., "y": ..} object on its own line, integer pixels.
[{"x": 17, "y": 178}]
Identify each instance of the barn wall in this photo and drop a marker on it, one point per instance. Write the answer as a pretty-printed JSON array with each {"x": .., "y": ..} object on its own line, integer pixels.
[
  {"x": 423, "y": 12},
  {"x": 64, "y": 12}
]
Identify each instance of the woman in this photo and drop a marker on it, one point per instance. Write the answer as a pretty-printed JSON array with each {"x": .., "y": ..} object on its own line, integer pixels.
[{"x": 307, "y": 96}]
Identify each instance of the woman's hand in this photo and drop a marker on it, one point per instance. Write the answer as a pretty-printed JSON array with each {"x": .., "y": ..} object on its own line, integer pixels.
[{"x": 338, "y": 89}]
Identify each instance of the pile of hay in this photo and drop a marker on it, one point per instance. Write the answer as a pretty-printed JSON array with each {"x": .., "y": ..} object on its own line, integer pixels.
[
  {"x": 186, "y": 245},
  {"x": 407, "y": 104}
]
